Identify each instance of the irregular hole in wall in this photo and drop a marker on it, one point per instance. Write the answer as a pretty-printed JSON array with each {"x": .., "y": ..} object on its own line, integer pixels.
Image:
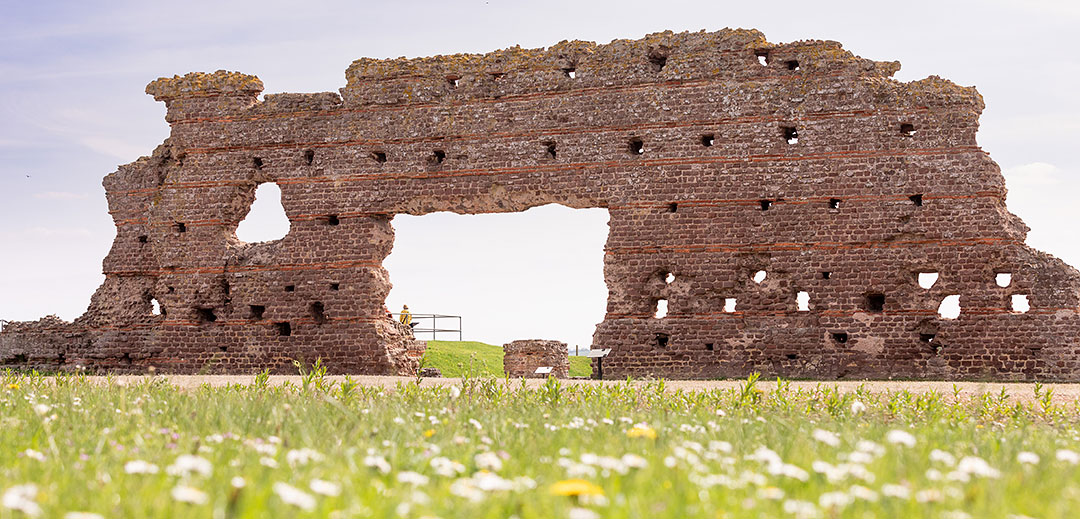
[
  {"x": 916, "y": 199},
  {"x": 669, "y": 278},
  {"x": 661, "y": 309},
  {"x": 332, "y": 219},
  {"x": 840, "y": 337},
  {"x": 309, "y": 156},
  {"x": 143, "y": 238},
  {"x": 792, "y": 64},
  {"x": 378, "y": 156},
  {"x": 792, "y": 356},
  {"x": 256, "y": 312},
  {"x": 907, "y": 130},
  {"x": 179, "y": 227},
  {"x": 636, "y": 146},
  {"x": 283, "y": 328},
  {"x": 155, "y": 307},
  {"x": 569, "y": 72},
  {"x": 658, "y": 57},
  {"x": 874, "y": 302},
  {"x": 791, "y": 134},
  {"x": 709, "y": 346},
  {"x": 927, "y": 279},
  {"x": 765, "y": 204},
  {"x": 762, "y": 57},
  {"x": 318, "y": 312},
  {"x": 205, "y": 315},
  {"x": 438, "y": 156},
  {"x": 950, "y": 307},
  {"x": 927, "y": 337},
  {"x": 661, "y": 340},
  {"x": 760, "y": 276},
  {"x": 673, "y": 207},
  {"x": 257, "y": 162},
  {"x": 1003, "y": 279},
  {"x": 826, "y": 274},
  {"x": 729, "y": 304},
  {"x": 803, "y": 300},
  {"x": 549, "y": 148},
  {"x": 452, "y": 80},
  {"x": 335, "y": 286},
  {"x": 266, "y": 219},
  {"x": 708, "y": 139},
  {"x": 544, "y": 253},
  {"x": 834, "y": 203},
  {"x": 290, "y": 288},
  {"x": 1019, "y": 303}
]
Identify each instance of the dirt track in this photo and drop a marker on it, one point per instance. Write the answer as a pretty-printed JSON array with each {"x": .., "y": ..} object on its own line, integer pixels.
[{"x": 1016, "y": 391}]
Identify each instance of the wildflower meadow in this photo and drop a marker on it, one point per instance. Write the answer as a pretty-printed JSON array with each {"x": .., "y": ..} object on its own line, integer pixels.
[{"x": 79, "y": 448}]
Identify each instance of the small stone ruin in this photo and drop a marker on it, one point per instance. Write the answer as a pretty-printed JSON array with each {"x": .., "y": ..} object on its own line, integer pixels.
[{"x": 522, "y": 359}]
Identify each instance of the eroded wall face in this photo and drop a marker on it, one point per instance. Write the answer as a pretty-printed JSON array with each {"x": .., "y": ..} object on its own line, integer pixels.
[{"x": 717, "y": 155}]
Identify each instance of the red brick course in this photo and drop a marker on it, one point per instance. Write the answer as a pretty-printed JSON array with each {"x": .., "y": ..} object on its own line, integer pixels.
[{"x": 883, "y": 181}]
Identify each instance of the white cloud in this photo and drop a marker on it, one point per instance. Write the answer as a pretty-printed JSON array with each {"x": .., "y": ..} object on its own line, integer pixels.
[
  {"x": 60, "y": 195},
  {"x": 1033, "y": 174},
  {"x": 1044, "y": 196},
  {"x": 30, "y": 233},
  {"x": 1037, "y": 125},
  {"x": 22, "y": 143},
  {"x": 116, "y": 148},
  {"x": 1052, "y": 7}
]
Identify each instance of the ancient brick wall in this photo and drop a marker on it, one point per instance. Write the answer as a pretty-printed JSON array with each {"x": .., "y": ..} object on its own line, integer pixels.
[
  {"x": 522, "y": 358},
  {"x": 717, "y": 155}
]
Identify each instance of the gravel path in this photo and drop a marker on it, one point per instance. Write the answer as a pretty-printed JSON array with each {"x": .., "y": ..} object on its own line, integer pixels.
[{"x": 1016, "y": 391}]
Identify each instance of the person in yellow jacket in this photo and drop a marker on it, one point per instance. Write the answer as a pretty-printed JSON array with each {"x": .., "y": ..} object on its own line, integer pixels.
[{"x": 406, "y": 316}]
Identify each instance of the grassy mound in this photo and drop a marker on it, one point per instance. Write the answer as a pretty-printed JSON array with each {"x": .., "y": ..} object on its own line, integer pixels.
[{"x": 456, "y": 358}]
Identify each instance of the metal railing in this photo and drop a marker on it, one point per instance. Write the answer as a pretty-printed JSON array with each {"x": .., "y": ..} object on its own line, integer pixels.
[{"x": 423, "y": 319}]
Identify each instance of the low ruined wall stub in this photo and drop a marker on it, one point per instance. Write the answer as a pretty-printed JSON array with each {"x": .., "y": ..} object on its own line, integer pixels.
[
  {"x": 716, "y": 154},
  {"x": 522, "y": 358}
]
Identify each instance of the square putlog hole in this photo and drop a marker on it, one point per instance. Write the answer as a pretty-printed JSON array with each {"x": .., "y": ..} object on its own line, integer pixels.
[{"x": 284, "y": 329}]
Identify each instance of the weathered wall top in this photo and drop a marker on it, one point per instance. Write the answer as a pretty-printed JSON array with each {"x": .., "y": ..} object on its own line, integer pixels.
[
  {"x": 198, "y": 84},
  {"x": 782, "y": 200}
]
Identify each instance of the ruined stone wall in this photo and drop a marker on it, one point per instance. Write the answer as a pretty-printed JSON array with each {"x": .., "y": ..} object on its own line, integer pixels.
[
  {"x": 521, "y": 358},
  {"x": 717, "y": 155}
]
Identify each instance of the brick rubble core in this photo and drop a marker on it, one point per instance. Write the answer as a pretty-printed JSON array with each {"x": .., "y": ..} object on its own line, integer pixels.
[{"x": 717, "y": 155}]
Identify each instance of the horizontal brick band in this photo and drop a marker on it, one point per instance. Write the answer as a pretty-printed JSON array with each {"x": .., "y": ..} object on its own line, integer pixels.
[
  {"x": 577, "y": 167},
  {"x": 465, "y": 138}
]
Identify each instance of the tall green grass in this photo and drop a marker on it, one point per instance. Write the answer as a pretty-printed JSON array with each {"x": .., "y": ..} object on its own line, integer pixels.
[{"x": 487, "y": 449}]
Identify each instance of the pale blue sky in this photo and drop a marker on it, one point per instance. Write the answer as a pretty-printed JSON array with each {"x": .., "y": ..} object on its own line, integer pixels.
[{"x": 72, "y": 108}]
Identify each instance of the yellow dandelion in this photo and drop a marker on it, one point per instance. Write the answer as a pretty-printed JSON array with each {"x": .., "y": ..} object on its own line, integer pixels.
[
  {"x": 576, "y": 487},
  {"x": 13, "y": 386},
  {"x": 642, "y": 431},
  {"x": 429, "y": 433}
]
